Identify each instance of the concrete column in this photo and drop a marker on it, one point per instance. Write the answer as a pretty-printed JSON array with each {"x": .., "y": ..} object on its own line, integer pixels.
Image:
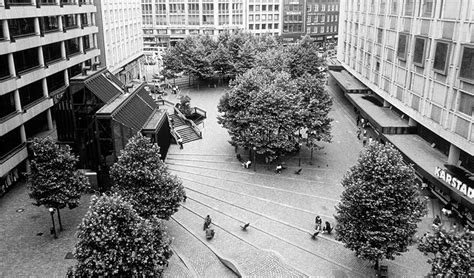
[
  {"x": 411, "y": 122},
  {"x": 11, "y": 64},
  {"x": 23, "y": 133},
  {"x": 40, "y": 56},
  {"x": 60, "y": 23},
  {"x": 63, "y": 49},
  {"x": 45, "y": 87},
  {"x": 49, "y": 118},
  {"x": 66, "y": 78},
  {"x": 16, "y": 96},
  {"x": 37, "y": 26},
  {"x": 453, "y": 157},
  {"x": 6, "y": 33},
  {"x": 81, "y": 44},
  {"x": 386, "y": 103}
]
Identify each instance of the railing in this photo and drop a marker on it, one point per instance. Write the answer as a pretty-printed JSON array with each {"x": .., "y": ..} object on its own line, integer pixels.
[
  {"x": 199, "y": 111},
  {"x": 173, "y": 132},
  {"x": 190, "y": 123}
]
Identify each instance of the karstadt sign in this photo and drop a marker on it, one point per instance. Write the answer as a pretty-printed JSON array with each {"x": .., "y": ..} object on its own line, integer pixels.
[{"x": 448, "y": 178}]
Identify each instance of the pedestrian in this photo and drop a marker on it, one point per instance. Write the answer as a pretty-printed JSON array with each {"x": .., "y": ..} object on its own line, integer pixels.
[
  {"x": 247, "y": 164},
  {"x": 362, "y": 122},
  {"x": 358, "y": 120},
  {"x": 278, "y": 169},
  {"x": 207, "y": 222},
  {"x": 364, "y": 141},
  {"x": 436, "y": 222},
  {"x": 180, "y": 142},
  {"x": 327, "y": 228},
  {"x": 358, "y": 133},
  {"x": 318, "y": 221},
  {"x": 370, "y": 140}
]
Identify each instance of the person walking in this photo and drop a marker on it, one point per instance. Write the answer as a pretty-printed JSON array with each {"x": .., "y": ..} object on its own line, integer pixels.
[
  {"x": 180, "y": 142},
  {"x": 207, "y": 222},
  {"x": 318, "y": 222},
  {"x": 359, "y": 131}
]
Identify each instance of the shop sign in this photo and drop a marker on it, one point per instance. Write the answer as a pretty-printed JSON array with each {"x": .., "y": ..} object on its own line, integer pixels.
[{"x": 454, "y": 182}]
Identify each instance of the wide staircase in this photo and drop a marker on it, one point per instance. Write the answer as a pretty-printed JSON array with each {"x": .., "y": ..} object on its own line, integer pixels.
[{"x": 184, "y": 130}]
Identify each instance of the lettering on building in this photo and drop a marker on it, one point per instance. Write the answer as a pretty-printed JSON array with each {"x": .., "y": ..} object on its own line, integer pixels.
[{"x": 454, "y": 182}]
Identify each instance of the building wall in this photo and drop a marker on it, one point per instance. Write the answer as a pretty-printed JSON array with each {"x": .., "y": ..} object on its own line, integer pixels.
[
  {"x": 293, "y": 20},
  {"x": 264, "y": 17},
  {"x": 322, "y": 20},
  {"x": 165, "y": 21},
  {"x": 418, "y": 56},
  {"x": 41, "y": 47},
  {"x": 120, "y": 37}
]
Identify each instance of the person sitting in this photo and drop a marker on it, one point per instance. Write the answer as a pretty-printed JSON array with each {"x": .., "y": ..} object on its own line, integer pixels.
[
  {"x": 247, "y": 164},
  {"x": 278, "y": 168},
  {"x": 210, "y": 233},
  {"x": 318, "y": 221},
  {"x": 327, "y": 228},
  {"x": 436, "y": 221},
  {"x": 207, "y": 222}
]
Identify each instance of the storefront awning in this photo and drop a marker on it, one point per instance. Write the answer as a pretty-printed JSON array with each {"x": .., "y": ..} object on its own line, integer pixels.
[
  {"x": 429, "y": 162},
  {"x": 384, "y": 119},
  {"x": 348, "y": 83}
]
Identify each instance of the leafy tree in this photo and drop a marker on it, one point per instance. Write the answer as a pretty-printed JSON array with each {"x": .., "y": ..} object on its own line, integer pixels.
[
  {"x": 265, "y": 109},
  {"x": 303, "y": 59},
  {"x": 452, "y": 253},
  {"x": 114, "y": 241},
  {"x": 185, "y": 105},
  {"x": 54, "y": 180},
  {"x": 380, "y": 206},
  {"x": 142, "y": 178}
]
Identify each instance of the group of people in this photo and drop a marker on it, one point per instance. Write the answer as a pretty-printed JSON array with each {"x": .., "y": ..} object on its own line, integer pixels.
[
  {"x": 362, "y": 131},
  {"x": 319, "y": 227}
]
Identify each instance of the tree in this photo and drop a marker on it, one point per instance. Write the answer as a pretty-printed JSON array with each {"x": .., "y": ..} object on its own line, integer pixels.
[
  {"x": 380, "y": 206},
  {"x": 114, "y": 241},
  {"x": 452, "y": 253},
  {"x": 267, "y": 109},
  {"x": 185, "y": 105},
  {"x": 142, "y": 178},
  {"x": 54, "y": 180}
]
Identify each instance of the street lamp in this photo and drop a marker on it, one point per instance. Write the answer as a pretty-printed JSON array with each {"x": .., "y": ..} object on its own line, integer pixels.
[
  {"x": 299, "y": 157},
  {"x": 254, "y": 160},
  {"x": 53, "y": 229}
]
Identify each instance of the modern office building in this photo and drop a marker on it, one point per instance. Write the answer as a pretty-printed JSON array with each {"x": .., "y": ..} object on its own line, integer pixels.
[
  {"x": 322, "y": 20},
  {"x": 264, "y": 17},
  {"x": 165, "y": 21},
  {"x": 43, "y": 43},
  {"x": 415, "y": 58},
  {"x": 121, "y": 38},
  {"x": 293, "y": 20}
]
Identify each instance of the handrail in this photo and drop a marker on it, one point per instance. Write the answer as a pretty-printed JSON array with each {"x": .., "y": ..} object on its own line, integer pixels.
[
  {"x": 191, "y": 123},
  {"x": 200, "y": 111}
]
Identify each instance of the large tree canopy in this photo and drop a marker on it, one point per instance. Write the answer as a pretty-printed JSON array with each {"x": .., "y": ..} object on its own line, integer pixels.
[
  {"x": 451, "y": 253},
  {"x": 144, "y": 180},
  {"x": 114, "y": 241},
  {"x": 267, "y": 109},
  {"x": 380, "y": 206}
]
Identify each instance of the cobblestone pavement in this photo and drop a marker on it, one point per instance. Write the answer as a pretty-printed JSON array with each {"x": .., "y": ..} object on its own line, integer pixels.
[{"x": 279, "y": 208}]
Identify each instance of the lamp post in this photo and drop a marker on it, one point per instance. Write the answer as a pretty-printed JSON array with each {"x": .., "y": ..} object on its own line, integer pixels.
[
  {"x": 299, "y": 157},
  {"x": 53, "y": 229},
  {"x": 254, "y": 160}
]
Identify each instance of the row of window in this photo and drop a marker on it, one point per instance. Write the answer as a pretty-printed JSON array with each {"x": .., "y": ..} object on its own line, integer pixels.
[
  {"x": 321, "y": 29},
  {"x": 322, "y": 18},
  {"x": 207, "y": 19},
  {"x": 263, "y": 8},
  {"x": 23, "y": 27},
  {"x": 316, "y": 7},
  {"x": 442, "y": 53},
  {"x": 263, "y": 17},
  {"x": 263, "y": 26},
  {"x": 9, "y": 3},
  {"x": 29, "y": 59}
]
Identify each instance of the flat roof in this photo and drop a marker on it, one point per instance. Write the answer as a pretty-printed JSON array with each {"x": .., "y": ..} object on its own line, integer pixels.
[
  {"x": 347, "y": 81},
  {"x": 383, "y": 116}
]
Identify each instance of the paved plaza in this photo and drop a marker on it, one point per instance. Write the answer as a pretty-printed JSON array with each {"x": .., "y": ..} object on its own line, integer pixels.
[{"x": 279, "y": 207}]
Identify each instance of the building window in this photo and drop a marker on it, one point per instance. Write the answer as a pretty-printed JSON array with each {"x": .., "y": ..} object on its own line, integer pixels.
[
  {"x": 7, "y": 105},
  {"x": 48, "y": 2},
  {"x": 419, "y": 53},
  {"x": 31, "y": 92},
  {"x": 49, "y": 24},
  {"x": 69, "y": 21},
  {"x": 26, "y": 59},
  {"x": 4, "y": 71},
  {"x": 56, "y": 81},
  {"x": 442, "y": 51},
  {"x": 86, "y": 42},
  {"x": 52, "y": 52},
  {"x": 10, "y": 141},
  {"x": 72, "y": 46},
  {"x": 427, "y": 9},
  {"x": 2, "y": 36},
  {"x": 84, "y": 20},
  {"x": 467, "y": 63},
  {"x": 21, "y": 27},
  {"x": 402, "y": 46},
  {"x": 466, "y": 104},
  {"x": 409, "y": 7}
]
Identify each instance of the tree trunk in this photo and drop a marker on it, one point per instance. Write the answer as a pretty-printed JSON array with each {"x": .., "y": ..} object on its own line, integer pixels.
[
  {"x": 311, "y": 160},
  {"x": 376, "y": 264},
  {"x": 59, "y": 220}
]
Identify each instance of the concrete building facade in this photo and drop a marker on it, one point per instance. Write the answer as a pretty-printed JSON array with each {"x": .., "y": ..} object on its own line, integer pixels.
[
  {"x": 120, "y": 38},
  {"x": 417, "y": 58},
  {"x": 43, "y": 43},
  {"x": 322, "y": 20},
  {"x": 264, "y": 16}
]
